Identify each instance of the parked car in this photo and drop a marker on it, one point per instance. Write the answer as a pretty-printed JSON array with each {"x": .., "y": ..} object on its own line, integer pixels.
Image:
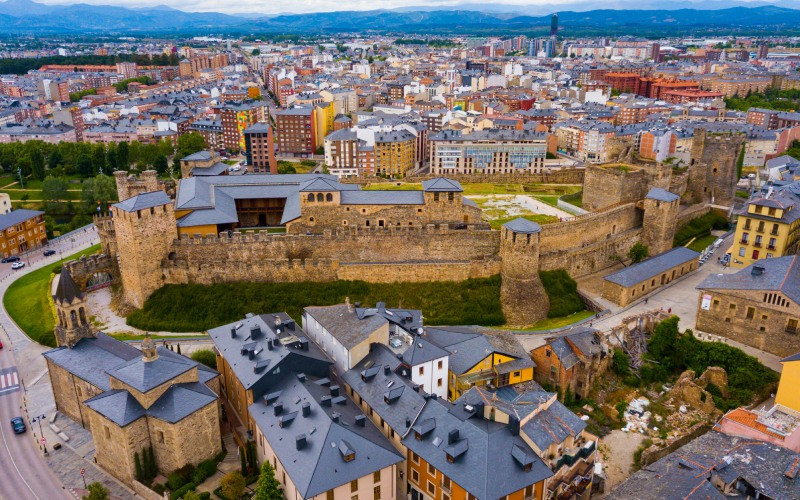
[
  {"x": 49, "y": 252},
  {"x": 13, "y": 258},
  {"x": 17, "y": 265},
  {"x": 18, "y": 425}
]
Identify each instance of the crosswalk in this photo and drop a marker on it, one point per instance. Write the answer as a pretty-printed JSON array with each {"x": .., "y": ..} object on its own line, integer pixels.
[{"x": 9, "y": 381}]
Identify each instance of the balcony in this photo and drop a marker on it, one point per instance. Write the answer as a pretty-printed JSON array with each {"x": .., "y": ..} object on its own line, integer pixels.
[
  {"x": 770, "y": 247},
  {"x": 744, "y": 242},
  {"x": 576, "y": 454},
  {"x": 573, "y": 483}
]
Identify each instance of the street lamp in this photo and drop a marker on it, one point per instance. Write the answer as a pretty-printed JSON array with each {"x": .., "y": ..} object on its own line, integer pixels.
[
  {"x": 39, "y": 419},
  {"x": 19, "y": 171}
]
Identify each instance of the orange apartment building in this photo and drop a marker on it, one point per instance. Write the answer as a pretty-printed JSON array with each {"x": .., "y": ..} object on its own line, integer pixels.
[{"x": 21, "y": 230}]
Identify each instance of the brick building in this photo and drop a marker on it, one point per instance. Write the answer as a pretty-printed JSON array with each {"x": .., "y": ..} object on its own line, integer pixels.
[
  {"x": 296, "y": 131},
  {"x": 260, "y": 149}
]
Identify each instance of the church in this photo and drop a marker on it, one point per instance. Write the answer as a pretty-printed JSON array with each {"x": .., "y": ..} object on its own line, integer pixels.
[{"x": 131, "y": 400}]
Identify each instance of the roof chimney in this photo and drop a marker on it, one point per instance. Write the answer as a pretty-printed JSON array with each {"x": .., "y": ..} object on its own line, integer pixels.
[
  {"x": 278, "y": 408},
  {"x": 306, "y": 409},
  {"x": 334, "y": 390},
  {"x": 348, "y": 304},
  {"x": 149, "y": 352},
  {"x": 335, "y": 417},
  {"x": 325, "y": 401},
  {"x": 452, "y": 436},
  {"x": 300, "y": 441},
  {"x": 255, "y": 332},
  {"x": 361, "y": 420},
  {"x": 387, "y": 369},
  {"x": 269, "y": 344},
  {"x": 757, "y": 270},
  {"x": 233, "y": 332}
]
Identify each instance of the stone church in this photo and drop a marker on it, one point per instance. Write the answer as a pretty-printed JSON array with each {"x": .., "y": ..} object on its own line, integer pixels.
[{"x": 129, "y": 399}]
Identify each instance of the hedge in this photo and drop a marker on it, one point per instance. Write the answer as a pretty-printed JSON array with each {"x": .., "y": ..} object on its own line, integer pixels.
[
  {"x": 192, "y": 307},
  {"x": 562, "y": 292},
  {"x": 699, "y": 226}
]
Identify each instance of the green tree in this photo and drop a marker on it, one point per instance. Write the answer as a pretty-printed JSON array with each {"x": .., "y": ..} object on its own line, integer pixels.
[
  {"x": 160, "y": 164},
  {"x": 190, "y": 143},
  {"x": 206, "y": 357},
  {"x": 54, "y": 190},
  {"x": 112, "y": 159},
  {"x": 97, "y": 492},
  {"x": 256, "y": 52},
  {"x": 25, "y": 165},
  {"x": 638, "y": 252},
  {"x": 145, "y": 464},
  {"x": 153, "y": 472},
  {"x": 232, "y": 485},
  {"x": 123, "y": 158},
  {"x": 251, "y": 456},
  {"x": 55, "y": 159},
  {"x": 663, "y": 341},
  {"x": 37, "y": 164},
  {"x": 85, "y": 167},
  {"x": 191, "y": 495},
  {"x": 267, "y": 487},
  {"x": 102, "y": 189},
  {"x": 740, "y": 161},
  {"x": 243, "y": 460},
  {"x": 137, "y": 466},
  {"x": 620, "y": 363},
  {"x": 98, "y": 159}
]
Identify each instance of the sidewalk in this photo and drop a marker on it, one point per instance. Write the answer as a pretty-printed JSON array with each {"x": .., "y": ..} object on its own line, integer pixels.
[{"x": 37, "y": 396}]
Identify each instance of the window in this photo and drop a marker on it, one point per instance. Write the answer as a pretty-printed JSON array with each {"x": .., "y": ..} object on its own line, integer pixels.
[
  {"x": 742, "y": 250},
  {"x": 329, "y": 495},
  {"x": 446, "y": 483},
  {"x": 108, "y": 432},
  {"x": 414, "y": 457},
  {"x": 431, "y": 489},
  {"x": 431, "y": 470},
  {"x": 439, "y": 383},
  {"x": 732, "y": 307},
  {"x": 751, "y": 312},
  {"x": 414, "y": 476},
  {"x": 421, "y": 370},
  {"x": 528, "y": 491},
  {"x": 440, "y": 364},
  {"x": 791, "y": 326},
  {"x": 376, "y": 492},
  {"x": 755, "y": 254},
  {"x": 354, "y": 486},
  {"x": 160, "y": 437}
]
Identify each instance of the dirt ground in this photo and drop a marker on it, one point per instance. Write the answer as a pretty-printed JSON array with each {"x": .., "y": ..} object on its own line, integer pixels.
[
  {"x": 592, "y": 284},
  {"x": 616, "y": 453}
]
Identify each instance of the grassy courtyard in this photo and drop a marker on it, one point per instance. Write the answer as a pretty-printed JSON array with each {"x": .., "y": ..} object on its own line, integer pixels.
[{"x": 29, "y": 304}]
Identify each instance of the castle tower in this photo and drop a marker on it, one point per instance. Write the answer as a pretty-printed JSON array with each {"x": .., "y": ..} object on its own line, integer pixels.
[
  {"x": 129, "y": 186},
  {"x": 660, "y": 220},
  {"x": 712, "y": 170},
  {"x": 145, "y": 227},
  {"x": 73, "y": 323},
  {"x": 521, "y": 292}
]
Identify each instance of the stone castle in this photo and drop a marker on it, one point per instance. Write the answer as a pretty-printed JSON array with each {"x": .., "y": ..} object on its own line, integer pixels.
[{"x": 322, "y": 230}]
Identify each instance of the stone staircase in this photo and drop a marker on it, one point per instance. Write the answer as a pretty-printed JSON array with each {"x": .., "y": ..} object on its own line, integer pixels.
[{"x": 232, "y": 449}]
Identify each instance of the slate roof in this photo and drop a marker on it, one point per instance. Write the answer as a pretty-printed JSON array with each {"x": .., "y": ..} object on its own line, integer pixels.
[
  {"x": 793, "y": 357},
  {"x": 319, "y": 465},
  {"x": 565, "y": 347},
  {"x": 215, "y": 169},
  {"x": 468, "y": 346},
  {"x": 551, "y": 425},
  {"x": 689, "y": 471},
  {"x": 66, "y": 290},
  {"x": 117, "y": 405},
  {"x": 90, "y": 358},
  {"x": 661, "y": 195},
  {"x": 146, "y": 375},
  {"x": 652, "y": 267},
  {"x": 441, "y": 184},
  {"x": 407, "y": 319},
  {"x": 377, "y": 197},
  {"x": 421, "y": 351},
  {"x": 144, "y": 201},
  {"x": 523, "y": 226},
  {"x": 483, "y": 447},
  {"x": 781, "y": 274},
  {"x": 231, "y": 348},
  {"x": 198, "y": 156},
  {"x": 17, "y": 216},
  {"x": 345, "y": 326},
  {"x": 373, "y": 387}
]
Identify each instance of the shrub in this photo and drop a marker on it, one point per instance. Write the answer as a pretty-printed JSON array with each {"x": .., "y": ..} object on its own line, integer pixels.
[
  {"x": 205, "y": 495},
  {"x": 621, "y": 407},
  {"x": 638, "y": 252},
  {"x": 175, "y": 495},
  {"x": 562, "y": 292},
  {"x": 199, "y": 476},
  {"x": 208, "y": 466},
  {"x": 232, "y": 485},
  {"x": 159, "y": 488},
  {"x": 699, "y": 226},
  {"x": 180, "y": 477},
  {"x": 620, "y": 363},
  {"x": 192, "y": 308},
  {"x": 206, "y": 357}
]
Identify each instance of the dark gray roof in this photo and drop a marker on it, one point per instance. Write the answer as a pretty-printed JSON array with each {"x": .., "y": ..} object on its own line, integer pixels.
[
  {"x": 407, "y": 319},
  {"x": 319, "y": 465},
  {"x": 289, "y": 353},
  {"x": 781, "y": 274},
  {"x": 144, "y": 201},
  {"x": 181, "y": 400},
  {"x": 66, "y": 290},
  {"x": 661, "y": 195},
  {"x": 117, "y": 405},
  {"x": 793, "y": 357},
  {"x": 91, "y": 358},
  {"x": 257, "y": 128},
  {"x": 523, "y": 226},
  {"x": 199, "y": 156},
  {"x": 442, "y": 184},
  {"x": 372, "y": 383},
  {"x": 146, "y": 375},
  {"x": 215, "y": 169},
  {"x": 689, "y": 471},
  {"x": 551, "y": 425},
  {"x": 345, "y": 325},
  {"x": 421, "y": 351},
  {"x": 585, "y": 341},
  {"x": 376, "y": 197},
  {"x": 18, "y": 216},
  {"x": 652, "y": 267},
  {"x": 468, "y": 346},
  {"x": 483, "y": 447}
]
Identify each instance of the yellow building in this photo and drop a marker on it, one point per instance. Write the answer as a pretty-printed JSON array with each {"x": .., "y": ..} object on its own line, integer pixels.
[
  {"x": 326, "y": 112},
  {"x": 788, "y": 394},
  {"x": 394, "y": 152},
  {"x": 770, "y": 227}
]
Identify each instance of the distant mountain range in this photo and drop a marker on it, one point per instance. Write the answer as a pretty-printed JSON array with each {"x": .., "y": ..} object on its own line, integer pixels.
[{"x": 26, "y": 16}]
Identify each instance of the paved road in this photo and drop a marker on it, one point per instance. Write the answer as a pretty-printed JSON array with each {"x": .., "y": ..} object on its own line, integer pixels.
[{"x": 24, "y": 473}]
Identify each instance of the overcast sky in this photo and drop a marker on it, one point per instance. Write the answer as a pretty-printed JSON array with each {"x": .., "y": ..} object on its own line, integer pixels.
[{"x": 300, "y": 6}]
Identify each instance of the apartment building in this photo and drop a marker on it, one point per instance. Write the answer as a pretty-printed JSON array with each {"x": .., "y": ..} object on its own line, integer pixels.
[
  {"x": 296, "y": 131},
  {"x": 236, "y": 117},
  {"x": 260, "y": 149},
  {"x": 488, "y": 151},
  {"x": 769, "y": 226},
  {"x": 21, "y": 230}
]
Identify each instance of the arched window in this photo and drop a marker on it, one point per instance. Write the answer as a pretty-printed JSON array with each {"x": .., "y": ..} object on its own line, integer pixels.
[
  {"x": 319, "y": 197},
  {"x": 329, "y": 197},
  {"x": 82, "y": 314},
  {"x": 310, "y": 196},
  {"x": 74, "y": 317}
]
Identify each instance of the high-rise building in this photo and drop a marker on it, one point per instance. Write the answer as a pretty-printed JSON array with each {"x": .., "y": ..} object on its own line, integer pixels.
[
  {"x": 236, "y": 117},
  {"x": 763, "y": 51},
  {"x": 128, "y": 70},
  {"x": 260, "y": 149},
  {"x": 554, "y": 25}
]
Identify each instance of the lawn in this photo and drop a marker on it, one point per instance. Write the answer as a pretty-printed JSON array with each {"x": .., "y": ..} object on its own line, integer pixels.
[
  {"x": 702, "y": 242},
  {"x": 193, "y": 308},
  {"x": 28, "y": 301},
  {"x": 539, "y": 218},
  {"x": 36, "y": 194},
  {"x": 127, "y": 336},
  {"x": 393, "y": 186},
  {"x": 553, "y": 323}
]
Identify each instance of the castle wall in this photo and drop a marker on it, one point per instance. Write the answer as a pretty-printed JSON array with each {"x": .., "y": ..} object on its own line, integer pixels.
[
  {"x": 592, "y": 257},
  {"x": 590, "y": 228},
  {"x": 83, "y": 268},
  {"x": 712, "y": 173},
  {"x": 188, "y": 441},
  {"x": 604, "y": 186}
]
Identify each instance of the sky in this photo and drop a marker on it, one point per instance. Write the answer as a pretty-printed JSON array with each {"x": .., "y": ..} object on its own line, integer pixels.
[{"x": 531, "y": 7}]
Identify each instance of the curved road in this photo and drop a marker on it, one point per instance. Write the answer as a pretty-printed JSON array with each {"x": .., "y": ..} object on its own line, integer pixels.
[{"x": 24, "y": 473}]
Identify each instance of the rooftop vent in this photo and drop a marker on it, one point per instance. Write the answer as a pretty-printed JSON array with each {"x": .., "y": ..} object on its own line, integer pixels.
[
  {"x": 334, "y": 390},
  {"x": 757, "y": 270},
  {"x": 325, "y": 401},
  {"x": 339, "y": 400},
  {"x": 347, "y": 451},
  {"x": 369, "y": 374},
  {"x": 335, "y": 417},
  {"x": 387, "y": 369},
  {"x": 361, "y": 420},
  {"x": 324, "y": 382},
  {"x": 452, "y": 436},
  {"x": 272, "y": 397},
  {"x": 260, "y": 365},
  {"x": 269, "y": 344},
  {"x": 306, "y": 409},
  {"x": 255, "y": 332},
  {"x": 233, "y": 332},
  {"x": 287, "y": 419},
  {"x": 300, "y": 441},
  {"x": 278, "y": 408},
  {"x": 393, "y": 395}
]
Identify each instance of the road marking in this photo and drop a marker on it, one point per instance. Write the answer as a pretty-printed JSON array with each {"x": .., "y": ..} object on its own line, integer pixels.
[
  {"x": 9, "y": 381},
  {"x": 14, "y": 463}
]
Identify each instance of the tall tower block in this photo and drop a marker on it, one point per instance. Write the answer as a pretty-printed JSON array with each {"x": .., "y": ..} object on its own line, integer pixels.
[
  {"x": 145, "y": 227},
  {"x": 521, "y": 292},
  {"x": 660, "y": 220}
]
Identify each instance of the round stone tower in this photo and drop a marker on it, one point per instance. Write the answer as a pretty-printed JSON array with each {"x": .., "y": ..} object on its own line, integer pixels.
[{"x": 521, "y": 292}]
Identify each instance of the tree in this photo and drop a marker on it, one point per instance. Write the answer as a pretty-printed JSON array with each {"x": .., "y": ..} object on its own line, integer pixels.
[
  {"x": 232, "y": 485},
  {"x": 37, "y": 164},
  {"x": 54, "y": 190},
  {"x": 138, "y": 466},
  {"x": 638, "y": 252},
  {"x": 153, "y": 472},
  {"x": 190, "y": 143},
  {"x": 55, "y": 159},
  {"x": 663, "y": 342},
  {"x": 267, "y": 487},
  {"x": 206, "y": 357},
  {"x": 25, "y": 165},
  {"x": 101, "y": 188},
  {"x": 191, "y": 495},
  {"x": 256, "y": 52},
  {"x": 243, "y": 459},
  {"x": 99, "y": 158},
  {"x": 112, "y": 159},
  {"x": 160, "y": 164},
  {"x": 251, "y": 456},
  {"x": 620, "y": 363},
  {"x": 97, "y": 492},
  {"x": 123, "y": 158},
  {"x": 85, "y": 168}
]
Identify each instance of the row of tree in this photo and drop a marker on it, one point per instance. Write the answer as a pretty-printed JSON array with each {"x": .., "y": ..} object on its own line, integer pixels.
[{"x": 23, "y": 65}]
